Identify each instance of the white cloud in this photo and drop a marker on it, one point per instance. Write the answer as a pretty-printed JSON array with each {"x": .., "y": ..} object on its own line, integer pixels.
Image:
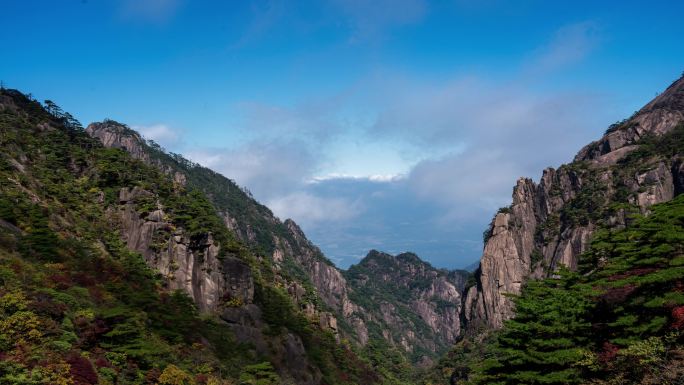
[
  {"x": 466, "y": 138},
  {"x": 497, "y": 132},
  {"x": 269, "y": 169},
  {"x": 309, "y": 209},
  {"x": 313, "y": 121},
  {"x": 379, "y": 178},
  {"x": 160, "y": 133}
]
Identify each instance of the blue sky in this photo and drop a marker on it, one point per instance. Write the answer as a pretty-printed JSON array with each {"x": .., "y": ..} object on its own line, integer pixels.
[{"x": 388, "y": 124}]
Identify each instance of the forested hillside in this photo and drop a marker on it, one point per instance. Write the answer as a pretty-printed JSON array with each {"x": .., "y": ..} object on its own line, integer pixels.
[{"x": 80, "y": 305}]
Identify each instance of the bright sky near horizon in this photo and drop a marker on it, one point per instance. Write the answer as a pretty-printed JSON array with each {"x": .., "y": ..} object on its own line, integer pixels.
[{"x": 398, "y": 125}]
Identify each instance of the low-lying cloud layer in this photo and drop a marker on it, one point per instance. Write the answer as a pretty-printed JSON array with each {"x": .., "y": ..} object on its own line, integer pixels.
[{"x": 462, "y": 139}]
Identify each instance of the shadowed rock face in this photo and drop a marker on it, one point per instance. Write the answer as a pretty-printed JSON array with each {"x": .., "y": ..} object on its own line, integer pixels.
[{"x": 550, "y": 223}]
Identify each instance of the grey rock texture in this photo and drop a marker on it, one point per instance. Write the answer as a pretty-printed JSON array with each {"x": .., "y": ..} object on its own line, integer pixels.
[
  {"x": 416, "y": 306},
  {"x": 248, "y": 220},
  {"x": 550, "y": 224},
  {"x": 189, "y": 265}
]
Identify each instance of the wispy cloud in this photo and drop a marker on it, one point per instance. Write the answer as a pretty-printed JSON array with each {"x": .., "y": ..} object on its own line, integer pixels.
[
  {"x": 264, "y": 15},
  {"x": 269, "y": 169},
  {"x": 371, "y": 19},
  {"x": 155, "y": 11},
  {"x": 569, "y": 45},
  {"x": 378, "y": 178},
  {"x": 310, "y": 209},
  {"x": 314, "y": 121},
  {"x": 160, "y": 133},
  {"x": 469, "y": 137}
]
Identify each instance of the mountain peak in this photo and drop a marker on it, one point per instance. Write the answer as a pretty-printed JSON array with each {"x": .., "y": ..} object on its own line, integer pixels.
[
  {"x": 672, "y": 98},
  {"x": 660, "y": 116},
  {"x": 118, "y": 135}
]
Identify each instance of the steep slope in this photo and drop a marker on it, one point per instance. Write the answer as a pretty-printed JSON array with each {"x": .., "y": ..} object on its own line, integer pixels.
[
  {"x": 618, "y": 320},
  {"x": 636, "y": 164},
  {"x": 314, "y": 283},
  {"x": 407, "y": 302},
  {"x": 105, "y": 260}
]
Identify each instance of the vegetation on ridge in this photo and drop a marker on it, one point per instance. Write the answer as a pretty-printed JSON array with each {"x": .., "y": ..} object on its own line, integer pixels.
[{"x": 78, "y": 307}]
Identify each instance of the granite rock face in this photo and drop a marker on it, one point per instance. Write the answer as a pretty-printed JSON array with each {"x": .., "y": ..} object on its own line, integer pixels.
[
  {"x": 550, "y": 223},
  {"x": 187, "y": 264},
  {"x": 252, "y": 223}
]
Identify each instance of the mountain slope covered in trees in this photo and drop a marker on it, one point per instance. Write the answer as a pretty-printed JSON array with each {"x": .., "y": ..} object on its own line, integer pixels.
[{"x": 98, "y": 254}]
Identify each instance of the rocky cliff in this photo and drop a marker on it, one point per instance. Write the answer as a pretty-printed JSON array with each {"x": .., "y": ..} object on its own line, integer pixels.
[
  {"x": 304, "y": 269},
  {"x": 550, "y": 223},
  {"x": 191, "y": 264}
]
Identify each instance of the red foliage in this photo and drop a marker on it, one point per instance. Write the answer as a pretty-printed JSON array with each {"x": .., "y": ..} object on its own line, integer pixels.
[
  {"x": 152, "y": 376},
  {"x": 81, "y": 370},
  {"x": 618, "y": 294},
  {"x": 102, "y": 362},
  {"x": 84, "y": 279},
  {"x": 44, "y": 305},
  {"x": 97, "y": 293},
  {"x": 61, "y": 281},
  {"x": 201, "y": 379},
  {"x": 632, "y": 273},
  {"x": 90, "y": 331},
  {"x": 608, "y": 353},
  {"x": 678, "y": 317},
  {"x": 679, "y": 286}
]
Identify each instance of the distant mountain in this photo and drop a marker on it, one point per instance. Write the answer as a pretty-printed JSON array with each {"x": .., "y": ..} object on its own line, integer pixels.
[{"x": 408, "y": 303}]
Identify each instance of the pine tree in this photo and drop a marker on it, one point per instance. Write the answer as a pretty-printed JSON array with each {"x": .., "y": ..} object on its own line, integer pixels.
[{"x": 545, "y": 340}]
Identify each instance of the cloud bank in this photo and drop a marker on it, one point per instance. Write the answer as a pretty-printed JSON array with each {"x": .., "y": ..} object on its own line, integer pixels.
[{"x": 463, "y": 140}]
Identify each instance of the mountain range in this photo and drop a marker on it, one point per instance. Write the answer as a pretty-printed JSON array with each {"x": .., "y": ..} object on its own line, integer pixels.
[{"x": 124, "y": 263}]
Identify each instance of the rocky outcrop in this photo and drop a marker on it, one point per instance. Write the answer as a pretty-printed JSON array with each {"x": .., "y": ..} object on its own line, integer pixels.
[
  {"x": 287, "y": 350},
  {"x": 658, "y": 117},
  {"x": 116, "y": 135},
  {"x": 186, "y": 264},
  {"x": 251, "y": 222},
  {"x": 326, "y": 278},
  {"x": 550, "y": 224}
]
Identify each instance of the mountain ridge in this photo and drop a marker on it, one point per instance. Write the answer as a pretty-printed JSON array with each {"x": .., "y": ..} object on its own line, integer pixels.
[
  {"x": 550, "y": 223},
  {"x": 289, "y": 250},
  {"x": 113, "y": 270}
]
